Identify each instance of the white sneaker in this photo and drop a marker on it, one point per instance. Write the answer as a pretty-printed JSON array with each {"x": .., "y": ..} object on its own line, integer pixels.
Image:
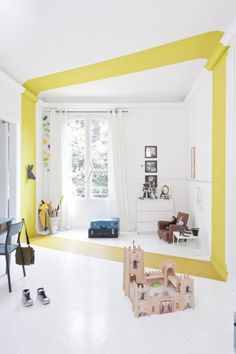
[
  {"x": 26, "y": 299},
  {"x": 42, "y": 297}
]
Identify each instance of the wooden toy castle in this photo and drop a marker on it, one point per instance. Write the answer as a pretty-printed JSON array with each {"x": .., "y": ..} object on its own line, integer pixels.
[{"x": 155, "y": 292}]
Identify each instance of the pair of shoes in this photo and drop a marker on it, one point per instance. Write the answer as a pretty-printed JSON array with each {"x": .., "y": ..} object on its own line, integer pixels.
[{"x": 41, "y": 296}]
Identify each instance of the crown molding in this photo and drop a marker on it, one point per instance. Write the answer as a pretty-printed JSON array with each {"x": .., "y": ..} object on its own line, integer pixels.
[{"x": 71, "y": 106}]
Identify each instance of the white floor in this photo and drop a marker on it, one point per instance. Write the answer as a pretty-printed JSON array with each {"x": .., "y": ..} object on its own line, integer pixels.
[
  {"x": 89, "y": 314},
  {"x": 149, "y": 242}
]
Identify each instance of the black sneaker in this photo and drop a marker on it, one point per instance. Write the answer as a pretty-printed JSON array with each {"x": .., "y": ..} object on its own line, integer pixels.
[
  {"x": 26, "y": 299},
  {"x": 42, "y": 297}
]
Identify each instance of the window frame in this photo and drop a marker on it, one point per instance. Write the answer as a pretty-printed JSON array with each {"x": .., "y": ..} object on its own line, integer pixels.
[{"x": 87, "y": 118}]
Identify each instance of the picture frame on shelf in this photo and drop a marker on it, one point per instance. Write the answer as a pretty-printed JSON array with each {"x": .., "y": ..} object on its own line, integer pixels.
[
  {"x": 151, "y": 179},
  {"x": 151, "y": 152},
  {"x": 151, "y": 166},
  {"x": 165, "y": 192}
]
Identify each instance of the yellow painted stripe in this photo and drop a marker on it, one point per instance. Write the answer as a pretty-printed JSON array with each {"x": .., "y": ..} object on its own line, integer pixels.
[
  {"x": 30, "y": 96},
  {"x": 152, "y": 260},
  {"x": 28, "y": 156},
  {"x": 219, "y": 264},
  {"x": 218, "y": 166},
  {"x": 199, "y": 46},
  {"x": 218, "y": 53}
]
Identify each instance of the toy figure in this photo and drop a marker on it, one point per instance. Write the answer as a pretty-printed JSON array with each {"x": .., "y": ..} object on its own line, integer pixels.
[
  {"x": 146, "y": 191},
  {"x": 30, "y": 173},
  {"x": 43, "y": 215},
  {"x": 152, "y": 191}
]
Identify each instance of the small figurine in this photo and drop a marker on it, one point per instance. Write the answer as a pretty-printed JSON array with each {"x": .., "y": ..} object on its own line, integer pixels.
[
  {"x": 153, "y": 191},
  {"x": 146, "y": 191},
  {"x": 30, "y": 173}
]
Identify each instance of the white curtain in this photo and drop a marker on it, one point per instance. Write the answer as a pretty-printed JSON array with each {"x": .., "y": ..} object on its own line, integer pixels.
[
  {"x": 60, "y": 159},
  {"x": 118, "y": 179}
]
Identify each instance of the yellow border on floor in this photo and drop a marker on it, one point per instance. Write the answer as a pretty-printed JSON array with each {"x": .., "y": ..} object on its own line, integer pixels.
[{"x": 153, "y": 260}]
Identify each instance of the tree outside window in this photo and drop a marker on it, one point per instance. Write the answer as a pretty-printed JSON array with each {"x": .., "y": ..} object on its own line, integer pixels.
[{"x": 88, "y": 138}]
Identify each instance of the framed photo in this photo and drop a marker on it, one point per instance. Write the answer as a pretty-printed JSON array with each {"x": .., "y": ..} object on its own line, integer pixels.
[
  {"x": 151, "y": 178},
  {"x": 193, "y": 162},
  {"x": 151, "y": 166},
  {"x": 150, "y": 152}
]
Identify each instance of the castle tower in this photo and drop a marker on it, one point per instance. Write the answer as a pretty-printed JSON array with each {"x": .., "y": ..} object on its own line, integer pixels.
[
  {"x": 187, "y": 292},
  {"x": 168, "y": 270},
  {"x": 133, "y": 267},
  {"x": 140, "y": 304}
]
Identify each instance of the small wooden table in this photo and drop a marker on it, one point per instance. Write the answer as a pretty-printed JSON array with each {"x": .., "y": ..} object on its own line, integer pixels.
[{"x": 182, "y": 237}]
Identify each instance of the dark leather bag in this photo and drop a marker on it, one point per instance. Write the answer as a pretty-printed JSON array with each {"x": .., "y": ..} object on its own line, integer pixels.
[{"x": 27, "y": 252}]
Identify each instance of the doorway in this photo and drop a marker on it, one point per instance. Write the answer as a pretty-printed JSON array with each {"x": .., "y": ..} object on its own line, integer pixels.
[{"x": 9, "y": 156}]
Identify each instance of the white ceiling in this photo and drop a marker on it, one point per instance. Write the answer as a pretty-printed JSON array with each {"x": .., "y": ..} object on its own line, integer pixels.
[
  {"x": 44, "y": 36},
  {"x": 167, "y": 84}
]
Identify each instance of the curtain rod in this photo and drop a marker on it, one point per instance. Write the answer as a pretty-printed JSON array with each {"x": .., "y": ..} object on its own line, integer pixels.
[{"x": 109, "y": 110}]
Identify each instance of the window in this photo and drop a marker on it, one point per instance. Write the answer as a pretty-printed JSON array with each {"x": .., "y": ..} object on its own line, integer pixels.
[{"x": 88, "y": 138}]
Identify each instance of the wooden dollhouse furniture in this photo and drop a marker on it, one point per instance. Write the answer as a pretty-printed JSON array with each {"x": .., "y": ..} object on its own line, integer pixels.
[{"x": 183, "y": 237}]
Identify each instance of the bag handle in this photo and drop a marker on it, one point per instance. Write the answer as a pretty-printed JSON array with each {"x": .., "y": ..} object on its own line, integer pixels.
[{"x": 26, "y": 233}]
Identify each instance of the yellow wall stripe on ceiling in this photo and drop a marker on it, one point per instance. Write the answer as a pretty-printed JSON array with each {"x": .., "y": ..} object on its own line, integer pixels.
[{"x": 196, "y": 47}]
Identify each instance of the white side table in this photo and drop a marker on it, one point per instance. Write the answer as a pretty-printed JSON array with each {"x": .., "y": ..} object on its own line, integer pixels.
[{"x": 182, "y": 237}]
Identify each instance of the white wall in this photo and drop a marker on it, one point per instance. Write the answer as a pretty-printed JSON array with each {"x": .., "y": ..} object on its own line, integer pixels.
[
  {"x": 4, "y": 159},
  {"x": 166, "y": 128},
  {"x": 10, "y": 99},
  {"x": 199, "y": 110},
  {"x": 10, "y": 111}
]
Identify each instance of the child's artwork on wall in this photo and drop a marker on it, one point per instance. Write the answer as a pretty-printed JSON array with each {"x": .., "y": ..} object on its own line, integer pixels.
[{"x": 46, "y": 142}]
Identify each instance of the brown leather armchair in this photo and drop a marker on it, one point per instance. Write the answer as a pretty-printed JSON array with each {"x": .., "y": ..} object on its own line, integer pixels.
[{"x": 165, "y": 229}]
